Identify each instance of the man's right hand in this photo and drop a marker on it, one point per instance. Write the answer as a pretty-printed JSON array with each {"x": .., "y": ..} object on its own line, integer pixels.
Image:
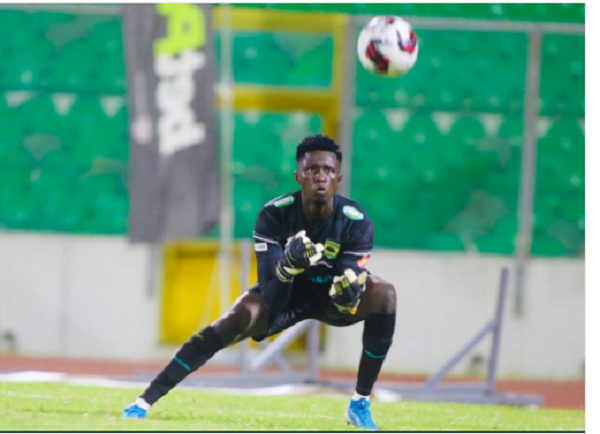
[{"x": 299, "y": 254}]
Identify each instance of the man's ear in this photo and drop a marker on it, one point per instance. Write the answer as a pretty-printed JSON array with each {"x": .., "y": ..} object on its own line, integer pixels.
[{"x": 297, "y": 178}]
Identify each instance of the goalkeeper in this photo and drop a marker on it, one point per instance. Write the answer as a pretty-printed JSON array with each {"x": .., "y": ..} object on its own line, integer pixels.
[{"x": 311, "y": 248}]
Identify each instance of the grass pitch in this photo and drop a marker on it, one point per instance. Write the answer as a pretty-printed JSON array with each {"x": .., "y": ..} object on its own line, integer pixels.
[{"x": 68, "y": 407}]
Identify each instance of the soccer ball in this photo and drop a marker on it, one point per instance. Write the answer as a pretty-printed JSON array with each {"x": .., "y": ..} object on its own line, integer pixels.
[{"x": 387, "y": 46}]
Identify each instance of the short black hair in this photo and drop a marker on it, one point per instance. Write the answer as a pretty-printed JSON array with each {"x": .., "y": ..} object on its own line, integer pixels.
[{"x": 318, "y": 143}]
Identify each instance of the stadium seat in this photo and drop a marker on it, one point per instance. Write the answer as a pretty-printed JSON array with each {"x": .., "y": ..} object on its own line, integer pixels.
[
  {"x": 562, "y": 87},
  {"x": 573, "y": 207},
  {"x": 48, "y": 19},
  {"x": 110, "y": 213},
  {"x": 26, "y": 68},
  {"x": 88, "y": 116},
  {"x": 248, "y": 199},
  {"x": 106, "y": 37},
  {"x": 41, "y": 117},
  {"x": 561, "y": 157},
  {"x": 72, "y": 67},
  {"x": 466, "y": 131},
  {"x": 109, "y": 77},
  {"x": 566, "y": 137},
  {"x": 445, "y": 242},
  {"x": 511, "y": 129},
  {"x": 369, "y": 128},
  {"x": 19, "y": 213},
  {"x": 251, "y": 52},
  {"x": 311, "y": 58},
  {"x": 12, "y": 20},
  {"x": 11, "y": 125}
]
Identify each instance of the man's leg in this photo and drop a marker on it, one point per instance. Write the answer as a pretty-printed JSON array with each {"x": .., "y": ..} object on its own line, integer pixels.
[
  {"x": 378, "y": 308},
  {"x": 248, "y": 316}
]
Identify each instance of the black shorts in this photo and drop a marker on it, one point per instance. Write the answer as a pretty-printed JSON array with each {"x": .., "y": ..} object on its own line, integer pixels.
[{"x": 312, "y": 305}]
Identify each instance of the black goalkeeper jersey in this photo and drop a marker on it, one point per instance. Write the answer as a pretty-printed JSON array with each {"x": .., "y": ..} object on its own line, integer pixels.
[{"x": 347, "y": 235}]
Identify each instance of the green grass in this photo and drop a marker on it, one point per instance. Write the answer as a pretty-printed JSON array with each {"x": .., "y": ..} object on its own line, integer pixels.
[{"x": 67, "y": 407}]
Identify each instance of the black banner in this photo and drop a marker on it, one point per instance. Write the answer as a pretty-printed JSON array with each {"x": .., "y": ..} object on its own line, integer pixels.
[{"x": 174, "y": 177}]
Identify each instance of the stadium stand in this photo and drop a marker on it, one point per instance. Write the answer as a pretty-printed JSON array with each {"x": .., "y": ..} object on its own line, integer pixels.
[{"x": 447, "y": 136}]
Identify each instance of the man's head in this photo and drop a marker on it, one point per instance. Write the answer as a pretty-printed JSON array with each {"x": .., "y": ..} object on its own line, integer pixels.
[{"x": 318, "y": 162}]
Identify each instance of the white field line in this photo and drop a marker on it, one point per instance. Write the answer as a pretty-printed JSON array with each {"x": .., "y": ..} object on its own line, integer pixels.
[{"x": 381, "y": 395}]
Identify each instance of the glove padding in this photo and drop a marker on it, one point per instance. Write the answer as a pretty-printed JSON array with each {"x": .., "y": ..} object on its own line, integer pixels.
[
  {"x": 299, "y": 254},
  {"x": 346, "y": 290}
]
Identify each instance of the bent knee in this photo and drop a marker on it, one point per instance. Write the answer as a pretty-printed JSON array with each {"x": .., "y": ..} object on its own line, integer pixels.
[
  {"x": 382, "y": 296},
  {"x": 387, "y": 294}
]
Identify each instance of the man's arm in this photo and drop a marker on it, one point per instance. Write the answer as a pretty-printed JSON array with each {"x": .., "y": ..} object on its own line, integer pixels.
[
  {"x": 350, "y": 273},
  {"x": 276, "y": 265},
  {"x": 275, "y": 293}
]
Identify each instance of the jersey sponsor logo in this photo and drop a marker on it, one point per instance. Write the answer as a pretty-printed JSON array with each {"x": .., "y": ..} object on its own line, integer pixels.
[
  {"x": 352, "y": 213},
  {"x": 332, "y": 249},
  {"x": 363, "y": 261},
  {"x": 284, "y": 201},
  {"x": 260, "y": 247}
]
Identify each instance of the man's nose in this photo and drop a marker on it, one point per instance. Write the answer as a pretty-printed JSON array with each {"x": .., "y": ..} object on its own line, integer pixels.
[{"x": 321, "y": 175}]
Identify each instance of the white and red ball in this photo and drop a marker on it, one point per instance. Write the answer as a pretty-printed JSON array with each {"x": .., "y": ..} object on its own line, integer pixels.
[{"x": 388, "y": 46}]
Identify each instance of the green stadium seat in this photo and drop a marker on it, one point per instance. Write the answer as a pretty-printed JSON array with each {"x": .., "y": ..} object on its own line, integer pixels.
[
  {"x": 10, "y": 21},
  {"x": 420, "y": 128},
  {"x": 21, "y": 213},
  {"x": 13, "y": 181},
  {"x": 11, "y": 125},
  {"x": 88, "y": 115},
  {"x": 248, "y": 199},
  {"x": 562, "y": 88},
  {"x": 109, "y": 77},
  {"x": 511, "y": 129},
  {"x": 255, "y": 142},
  {"x": 17, "y": 29},
  {"x": 377, "y": 92},
  {"x": 110, "y": 213},
  {"x": 26, "y": 69},
  {"x": 561, "y": 157},
  {"x": 48, "y": 19},
  {"x": 251, "y": 52},
  {"x": 310, "y": 58},
  {"x": 106, "y": 37},
  {"x": 41, "y": 117},
  {"x": 72, "y": 68},
  {"x": 445, "y": 242},
  {"x": 495, "y": 245},
  {"x": 565, "y": 136},
  {"x": 547, "y": 247},
  {"x": 573, "y": 207},
  {"x": 369, "y": 130},
  {"x": 466, "y": 131},
  {"x": 16, "y": 157}
]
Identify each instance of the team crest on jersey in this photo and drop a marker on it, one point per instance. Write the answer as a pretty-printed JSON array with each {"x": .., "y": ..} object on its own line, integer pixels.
[
  {"x": 332, "y": 249},
  {"x": 284, "y": 201},
  {"x": 352, "y": 213}
]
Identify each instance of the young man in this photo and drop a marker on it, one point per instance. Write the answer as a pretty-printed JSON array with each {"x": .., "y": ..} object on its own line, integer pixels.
[{"x": 311, "y": 248}]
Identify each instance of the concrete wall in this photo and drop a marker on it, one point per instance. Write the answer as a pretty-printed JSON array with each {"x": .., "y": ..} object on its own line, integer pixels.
[
  {"x": 98, "y": 297},
  {"x": 78, "y": 296},
  {"x": 445, "y": 299}
]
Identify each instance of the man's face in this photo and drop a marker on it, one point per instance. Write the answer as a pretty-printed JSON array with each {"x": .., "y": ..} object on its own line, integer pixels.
[{"x": 318, "y": 173}]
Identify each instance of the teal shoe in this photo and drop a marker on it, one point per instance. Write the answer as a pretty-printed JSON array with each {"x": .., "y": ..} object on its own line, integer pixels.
[
  {"x": 359, "y": 415},
  {"x": 134, "y": 412}
]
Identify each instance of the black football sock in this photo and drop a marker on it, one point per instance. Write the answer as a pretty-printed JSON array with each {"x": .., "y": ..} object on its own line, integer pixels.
[
  {"x": 377, "y": 339},
  {"x": 193, "y": 354}
]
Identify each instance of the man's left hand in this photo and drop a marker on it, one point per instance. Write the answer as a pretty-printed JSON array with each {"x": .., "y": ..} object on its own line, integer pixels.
[{"x": 346, "y": 290}]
